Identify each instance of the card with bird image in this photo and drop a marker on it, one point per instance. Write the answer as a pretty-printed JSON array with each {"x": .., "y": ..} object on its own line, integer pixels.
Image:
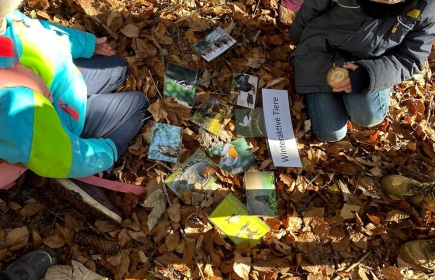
[
  {"x": 235, "y": 156},
  {"x": 212, "y": 115},
  {"x": 261, "y": 193},
  {"x": 165, "y": 142},
  {"x": 244, "y": 90},
  {"x": 190, "y": 175},
  {"x": 250, "y": 123},
  {"x": 180, "y": 84},
  {"x": 214, "y": 44},
  {"x": 232, "y": 218}
]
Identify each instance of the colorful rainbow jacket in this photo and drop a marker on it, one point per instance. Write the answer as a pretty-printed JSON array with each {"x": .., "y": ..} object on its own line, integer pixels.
[{"x": 44, "y": 135}]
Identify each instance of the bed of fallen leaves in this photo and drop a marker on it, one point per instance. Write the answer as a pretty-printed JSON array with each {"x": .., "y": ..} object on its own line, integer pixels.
[{"x": 334, "y": 221}]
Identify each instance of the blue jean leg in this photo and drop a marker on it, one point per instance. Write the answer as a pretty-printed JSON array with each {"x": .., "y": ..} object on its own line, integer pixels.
[
  {"x": 117, "y": 116},
  {"x": 329, "y": 112},
  {"x": 328, "y": 115},
  {"x": 367, "y": 109}
]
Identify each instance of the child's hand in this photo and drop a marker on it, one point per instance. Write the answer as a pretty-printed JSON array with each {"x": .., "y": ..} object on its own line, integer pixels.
[{"x": 102, "y": 48}]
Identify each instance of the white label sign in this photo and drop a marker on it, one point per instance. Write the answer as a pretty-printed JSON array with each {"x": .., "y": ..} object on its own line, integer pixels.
[{"x": 280, "y": 135}]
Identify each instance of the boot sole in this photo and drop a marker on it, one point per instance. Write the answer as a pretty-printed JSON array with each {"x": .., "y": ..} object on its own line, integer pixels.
[
  {"x": 83, "y": 201},
  {"x": 404, "y": 255}
]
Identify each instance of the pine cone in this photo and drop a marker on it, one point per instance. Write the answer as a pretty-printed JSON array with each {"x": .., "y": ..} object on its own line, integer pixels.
[{"x": 94, "y": 241}]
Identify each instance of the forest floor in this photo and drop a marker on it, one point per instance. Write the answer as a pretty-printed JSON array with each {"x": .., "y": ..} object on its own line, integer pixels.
[{"x": 334, "y": 221}]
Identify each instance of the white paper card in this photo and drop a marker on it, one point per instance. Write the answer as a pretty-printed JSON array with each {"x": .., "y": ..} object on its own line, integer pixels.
[{"x": 280, "y": 135}]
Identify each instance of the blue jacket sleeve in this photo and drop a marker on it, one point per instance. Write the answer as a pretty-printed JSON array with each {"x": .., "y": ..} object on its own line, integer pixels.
[{"x": 81, "y": 44}]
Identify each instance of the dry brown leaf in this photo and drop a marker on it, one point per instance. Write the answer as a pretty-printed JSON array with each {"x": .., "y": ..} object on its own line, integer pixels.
[
  {"x": 169, "y": 110},
  {"x": 157, "y": 201},
  {"x": 104, "y": 226},
  {"x": 124, "y": 237},
  {"x": 5, "y": 254},
  {"x": 115, "y": 20},
  {"x": 174, "y": 212},
  {"x": 55, "y": 241},
  {"x": 396, "y": 216},
  {"x": 37, "y": 240},
  {"x": 392, "y": 273},
  {"x": 242, "y": 265},
  {"x": 190, "y": 36},
  {"x": 14, "y": 206},
  {"x": 71, "y": 223},
  {"x": 348, "y": 211},
  {"x": 130, "y": 30},
  {"x": 31, "y": 209},
  {"x": 17, "y": 238},
  {"x": 172, "y": 240},
  {"x": 74, "y": 272}
]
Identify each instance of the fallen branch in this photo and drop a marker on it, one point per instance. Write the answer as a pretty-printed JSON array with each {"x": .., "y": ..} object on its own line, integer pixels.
[{"x": 352, "y": 266}]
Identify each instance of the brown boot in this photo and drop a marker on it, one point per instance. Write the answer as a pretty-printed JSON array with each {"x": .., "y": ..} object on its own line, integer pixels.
[
  {"x": 419, "y": 253},
  {"x": 415, "y": 192}
]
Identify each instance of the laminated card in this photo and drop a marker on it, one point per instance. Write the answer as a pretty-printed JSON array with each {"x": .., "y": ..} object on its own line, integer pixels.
[
  {"x": 260, "y": 193},
  {"x": 280, "y": 135},
  {"x": 231, "y": 217}
]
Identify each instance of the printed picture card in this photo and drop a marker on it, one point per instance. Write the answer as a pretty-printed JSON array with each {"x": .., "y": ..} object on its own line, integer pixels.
[
  {"x": 180, "y": 83},
  {"x": 244, "y": 90},
  {"x": 250, "y": 123},
  {"x": 235, "y": 156},
  {"x": 165, "y": 142},
  {"x": 260, "y": 193},
  {"x": 232, "y": 218},
  {"x": 189, "y": 175},
  {"x": 211, "y": 115},
  {"x": 214, "y": 44}
]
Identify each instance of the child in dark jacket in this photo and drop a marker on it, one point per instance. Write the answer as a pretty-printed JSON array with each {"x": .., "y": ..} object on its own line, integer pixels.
[{"x": 379, "y": 42}]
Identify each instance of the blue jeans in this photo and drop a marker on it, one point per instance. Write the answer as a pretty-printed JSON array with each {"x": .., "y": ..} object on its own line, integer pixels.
[
  {"x": 117, "y": 116},
  {"x": 329, "y": 112}
]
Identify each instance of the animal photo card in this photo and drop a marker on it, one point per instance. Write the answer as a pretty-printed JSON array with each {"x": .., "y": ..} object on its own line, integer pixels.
[
  {"x": 189, "y": 174},
  {"x": 165, "y": 142},
  {"x": 250, "y": 123},
  {"x": 212, "y": 115},
  {"x": 244, "y": 90},
  {"x": 260, "y": 193},
  {"x": 232, "y": 218},
  {"x": 235, "y": 156},
  {"x": 214, "y": 44},
  {"x": 180, "y": 83}
]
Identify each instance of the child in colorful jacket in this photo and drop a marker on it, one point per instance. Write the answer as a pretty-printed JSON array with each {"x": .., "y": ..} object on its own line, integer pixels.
[
  {"x": 81, "y": 127},
  {"x": 59, "y": 116}
]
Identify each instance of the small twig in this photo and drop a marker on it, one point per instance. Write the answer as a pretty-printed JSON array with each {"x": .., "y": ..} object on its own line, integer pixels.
[
  {"x": 55, "y": 217},
  {"x": 405, "y": 167},
  {"x": 158, "y": 91},
  {"x": 352, "y": 266},
  {"x": 429, "y": 115},
  {"x": 166, "y": 192}
]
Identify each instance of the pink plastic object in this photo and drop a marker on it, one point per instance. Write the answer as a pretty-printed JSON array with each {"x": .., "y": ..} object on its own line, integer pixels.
[
  {"x": 9, "y": 174},
  {"x": 293, "y": 5}
]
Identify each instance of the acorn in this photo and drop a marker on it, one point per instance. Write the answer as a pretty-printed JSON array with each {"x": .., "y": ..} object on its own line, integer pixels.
[{"x": 336, "y": 75}]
